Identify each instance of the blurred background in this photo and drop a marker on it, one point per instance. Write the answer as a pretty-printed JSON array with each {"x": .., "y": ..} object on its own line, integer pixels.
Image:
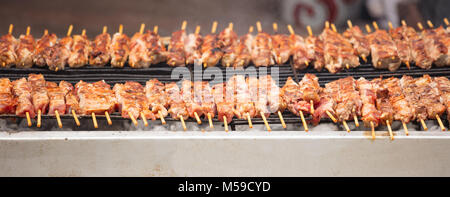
[{"x": 56, "y": 15}]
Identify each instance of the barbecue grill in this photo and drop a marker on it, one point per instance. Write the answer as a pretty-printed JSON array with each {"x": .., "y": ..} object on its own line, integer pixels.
[{"x": 162, "y": 149}]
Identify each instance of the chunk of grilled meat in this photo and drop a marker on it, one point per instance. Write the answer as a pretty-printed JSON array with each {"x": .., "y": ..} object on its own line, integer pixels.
[
  {"x": 79, "y": 55},
  {"x": 8, "y": 55},
  {"x": 25, "y": 51},
  {"x": 43, "y": 49},
  {"x": 119, "y": 50},
  {"x": 100, "y": 50}
]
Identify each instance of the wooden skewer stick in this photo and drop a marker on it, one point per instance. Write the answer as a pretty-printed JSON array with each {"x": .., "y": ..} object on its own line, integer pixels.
[
  {"x": 291, "y": 31},
  {"x": 355, "y": 118},
  {"x": 281, "y": 119},
  {"x": 83, "y": 32},
  {"x": 407, "y": 65},
  {"x": 333, "y": 27},
  {"x": 225, "y": 123},
  {"x": 364, "y": 58},
  {"x": 390, "y": 129},
  {"x": 214, "y": 27},
  {"x": 345, "y": 126},
  {"x": 424, "y": 125},
  {"x": 120, "y": 29},
  {"x": 94, "y": 120},
  {"x": 331, "y": 116},
  {"x": 108, "y": 119},
  {"x": 308, "y": 28},
  {"x": 161, "y": 117},
  {"x": 311, "y": 102},
  {"x": 28, "y": 30},
  {"x": 58, "y": 119},
  {"x": 183, "y": 25},
  {"x": 405, "y": 128},
  {"x": 403, "y": 23},
  {"x": 75, "y": 118},
  {"x": 327, "y": 24},
  {"x": 419, "y": 24},
  {"x": 69, "y": 31},
  {"x": 28, "y": 119},
  {"x": 197, "y": 29},
  {"x": 230, "y": 25},
  {"x": 144, "y": 119},
  {"x": 45, "y": 32},
  {"x": 133, "y": 119},
  {"x": 446, "y": 21},
  {"x": 105, "y": 29},
  {"x": 182, "y": 122},
  {"x": 197, "y": 118},
  {"x": 11, "y": 27},
  {"x": 275, "y": 27},
  {"x": 372, "y": 128},
  {"x": 250, "y": 124},
  {"x": 210, "y": 121},
  {"x": 390, "y": 25},
  {"x": 347, "y": 66},
  {"x": 430, "y": 24},
  {"x": 258, "y": 26},
  {"x": 349, "y": 23},
  {"x": 250, "y": 29},
  {"x": 375, "y": 25},
  {"x": 368, "y": 29},
  {"x": 155, "y": 29},
  {"x": 141, "y": 30},
  {"x": 440, "y": 123},
  {"x": 265, "y": 121},
  {"x": 303, "y": 121},
  {"x": 38, "y": 124}
]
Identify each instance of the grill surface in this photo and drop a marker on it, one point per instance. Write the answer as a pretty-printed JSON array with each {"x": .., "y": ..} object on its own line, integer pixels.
[{"x": 163, "y": 73}]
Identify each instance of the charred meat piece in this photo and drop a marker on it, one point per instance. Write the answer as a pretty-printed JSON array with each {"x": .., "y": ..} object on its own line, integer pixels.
[
  {"x": 359, "y": 41},
  {"x": 139, "y": 54},
  {"x": 243, "y": 51},
  {"x": 175, "y": 54},
  {"x": 7, "y": 100},
  {"x": 59, "y": 54},
  {"x": 100, "y": 50},
  {"x": 25, "y": 51},
  {"x": 192, "y": 48},
  {"x": 43, "y": 48},
  {"x": 211, "y": 50},
  {"x": 119, "y": 50},
  {"x": 155, "y": 47},
  {"x": 95, "y": 97},
  {"x": 242, "y": 100},
  {"x": 368, "y": 95},
  {"x": 79, "y": 55},
  {"x": 8, "y": 55},
  {"x": 225, "y": 107},
  {"x": 262, "y": 50},
  {"x": 293, "y": 98},
  {"x": 156, "y": 96},
  {"x": 39, "y": 94},
  {"x": 131, "y": 99},
  {"x": 22, "y": 91},
  {"x": 177, "y": 106}
]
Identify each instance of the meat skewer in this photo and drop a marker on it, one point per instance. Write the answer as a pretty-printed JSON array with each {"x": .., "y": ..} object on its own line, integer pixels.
[
  {"x": 228, "y": 44},
  {"x": 22, "y": 91},
  {"x": 7, "y": 48},
  {"x": 43, "y": 48},
  {"x": 25, "y": 50},
  {"x": 192, "y": 99},
  {"x": 294, "y": 100},
  {"x": 139, "y": 54},
  {"x": 100, "y": 49},
  {"x": 436, "y": 41},
  {"x": 275, "y": 102},
  {"x": 192, "y": 46},
  {"x": 383, "y": 49},
  {"x": 175, "y": 53},
  {"x": 39, "y": 95},
  {"x": 57, "y": 94},
  {"x": 244, "y": 49},
  {"x": 443, "y": 85},
  {"x": 211, "y": 50},
  {"x": 262, "y": 48},
  {"x": 157, "y": 98},
  {"x": 298, "y": 50},
  {"x": 281, "y": 47},
  {"x": 132, "y": 102},
  {"x": 95, "y": 98},
  {"x": 429, "y": 95},
  {"x": 72, "y": 102},
  {"x": 369, "y": 112},
  {"x": 177, "y": 106},
  {"x": 243, "y": 105},
  {"x": 79, "y": 55},
  {"x": 357, "y": 38},
  {"x": 224, "y": 103},
  {"x": 315, "y": 49},
  {"x": 7, "y": 101},
  {"x": 408, "y": 87},
  {"x": 157, "y": 51},
  {"x": 60, "y": 52},
  {"x": 417, "y": 45},
  {"x": 402, "y": 43},
  {"x": 119, "y": 48},
  {"x": 208, "y": 105}
]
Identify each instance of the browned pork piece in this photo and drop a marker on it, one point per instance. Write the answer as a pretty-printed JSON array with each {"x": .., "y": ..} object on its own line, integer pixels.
[
  {"x": 79, "y": 55},
  {"x": 177, "y": 106},
  {"x": 383, "y": 51},
  {"x": 225, "y": 105},
  {"x": 96, "y": 98},
  {"x": 262, "y": 50},
  {"x": 43, "y": 48},
  {"x": 443, "y": 85},
  {"x": 100, "y": 50},
  {"x": 139, "y": 54},
  {"x": 244, "y": 107},
  {"x": 7, "y": 101},
  {"x": 191, "y": 95},
  {"x": 132, "y": 100},
  {"x": 419, "y": 54},
  {"x": 22, "y": 91},
  {"x": 228, "y": 43},
  {"x": 175, "y": 54},
  {"x": 338, "y": 52},
  {"x": 25, "y": 50},
  {"x": 157, "y": 98},
  {"x": 244, "y": 49},
  {"x": 119, "y": 49},
  {"x": 59, "y": 54},
  {"x": 39, "y": 94},
  {"x": 359, "y": 41},
  {"x": 192, "y": 46},
  {"x": 294, "y": 98},
  {"x": 437, "y": 44},
  {"x": 368, "y": 94},
  {"x": 8, "y": 55}
]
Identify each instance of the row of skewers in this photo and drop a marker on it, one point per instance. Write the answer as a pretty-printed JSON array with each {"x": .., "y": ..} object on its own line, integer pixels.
[
  {"x": 378, "y": 101},
  {"x": 330, "y": 49}
]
